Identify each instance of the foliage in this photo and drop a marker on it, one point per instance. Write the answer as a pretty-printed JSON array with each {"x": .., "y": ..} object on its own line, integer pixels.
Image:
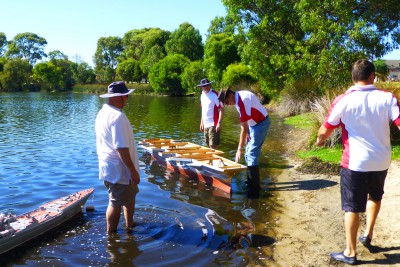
[
  {"x": 191, "y": 76},
  {"x": 130, "y": 71},
  {"x": 16, "y": 75},
  {"x": 83, "y": 73},
  {"x": 381, "y": 69},
  {"x": 27, "y": 46},
  {"x": 57, "y": 54},
  {"x": 220, "y": 52},
  {"x": 3, "y": 44},
  {"x": 55, "y": 74},
  {"x": 137, "y": 43},
  {"x": 287, "y": 40},
  {"x": 222, "y": 25},
  {"x": 106, "y": 57},
  {"x": 165, "y": 76},
  {"x": 155, "y": 54},
  {"x": 238, "y": 73},
  {"x": 296, "y": 98},
  {"x": 187, "y": 41}
]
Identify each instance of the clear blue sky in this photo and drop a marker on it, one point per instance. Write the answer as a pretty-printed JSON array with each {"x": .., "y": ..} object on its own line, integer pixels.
[{"x": 74, "y": 26}]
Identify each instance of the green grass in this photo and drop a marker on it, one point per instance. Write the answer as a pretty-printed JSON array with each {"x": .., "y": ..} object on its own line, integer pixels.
[
  {"x": 302, "y": 121},
  {"x": 331, "y": 155}
]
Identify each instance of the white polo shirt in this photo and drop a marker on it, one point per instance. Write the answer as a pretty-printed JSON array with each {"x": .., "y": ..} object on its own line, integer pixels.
[
  {"x": 250, "y": 108},
  {"x": 113, "y": 130},
  {"x": 210, "y": 108},
  {"x": 364, "y": 113}
]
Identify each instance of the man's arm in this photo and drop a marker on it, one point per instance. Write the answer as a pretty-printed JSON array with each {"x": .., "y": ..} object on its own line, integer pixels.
[
  {"x": 221, "y": 113},
  {"x": 323, "y": 135},
  {"x": 242, "y": 140},
  {"x": 125, "y": 156}
]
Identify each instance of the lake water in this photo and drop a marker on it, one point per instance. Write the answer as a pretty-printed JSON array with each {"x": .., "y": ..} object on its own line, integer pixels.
[{"x": 48, "y": 150}]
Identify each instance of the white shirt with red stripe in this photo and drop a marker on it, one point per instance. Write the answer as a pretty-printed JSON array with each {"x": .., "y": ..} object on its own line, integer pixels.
[
  {"x": 250, "y": 108},
  {"x": 210, "y": 107},
  {"x": 364, "y": 113}
]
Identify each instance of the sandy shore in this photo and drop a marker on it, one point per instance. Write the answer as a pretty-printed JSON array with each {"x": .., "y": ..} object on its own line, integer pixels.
[{"x": 310, "y": 221}]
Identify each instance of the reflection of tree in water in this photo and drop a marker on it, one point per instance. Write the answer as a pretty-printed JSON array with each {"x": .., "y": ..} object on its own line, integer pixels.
[{"x": 122, "y": 251}]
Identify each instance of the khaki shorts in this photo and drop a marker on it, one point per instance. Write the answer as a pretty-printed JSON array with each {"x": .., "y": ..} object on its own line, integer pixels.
[
  {"x": 211, "y": 137},
  {"x": 121, "y": 194}
]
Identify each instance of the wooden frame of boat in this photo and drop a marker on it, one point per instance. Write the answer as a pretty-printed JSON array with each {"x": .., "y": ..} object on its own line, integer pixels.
[
  {"x": 20, "y": 229},
  {"x": 195, "y": 161}
]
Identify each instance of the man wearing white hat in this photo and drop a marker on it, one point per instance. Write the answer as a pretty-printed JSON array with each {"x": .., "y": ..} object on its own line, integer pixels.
[{"x": 118, "y": 158}]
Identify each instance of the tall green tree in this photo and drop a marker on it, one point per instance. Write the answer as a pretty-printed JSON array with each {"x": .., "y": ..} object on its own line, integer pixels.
[
  {"x": 106, "y": 57},
  {"x": 29, "y": 46},
  {"x": 137, "y": 43},
  {"x": 155, "y": 54},
  {"x": 191, "y": 76},
  {"x": 55, "y": 74},
  {"x": 3, "y": 44},
  {"x": 286, "y": 40},
  {"x": 187, "y": 41},
  {"x": 16, "y": 75},
  {"x": 165, "y": 76},
  {"x": 130, "y": 71},
  {"x": 222, "y": 25},
  {"x": 220, "y": 52}
]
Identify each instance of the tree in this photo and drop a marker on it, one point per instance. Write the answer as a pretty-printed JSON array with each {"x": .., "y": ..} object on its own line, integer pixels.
[
  {"x": 137, "y": 43},
  {"x": 191, "y": 76},
  {"x": 155, "y": 54},
  {"x": 222, "y": 25},
  {"x": 3, "y": 44},
  {"x": 284, "y": 41},
  {"x": 27, "y": 46},
  {"x": 220, "y": 52},
  {"x": 106, "y": 57},
  {"x": 16, "y": 74},
  {"x": 187, "y": 41},
  {"x": 381, "y": 69},
  {"x": 83, "y": 73},
  {"x": 236, "y": 74},
  {"x": 57, "y": 54},
  {"x": 129, "y": 71},
  {"x": 55, "y": 74},
  {"x": 165, "y": 76}
]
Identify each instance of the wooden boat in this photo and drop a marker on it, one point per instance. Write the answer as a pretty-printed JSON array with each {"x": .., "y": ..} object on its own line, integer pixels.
[
  {"x": 195, "y": 161},
  {"x": 16, "y": 230}
]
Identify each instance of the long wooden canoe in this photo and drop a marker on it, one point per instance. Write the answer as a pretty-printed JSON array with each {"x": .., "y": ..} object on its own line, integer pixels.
[
  {"x": 17, "y": 230},
  {"x": 195, "y": 161}
]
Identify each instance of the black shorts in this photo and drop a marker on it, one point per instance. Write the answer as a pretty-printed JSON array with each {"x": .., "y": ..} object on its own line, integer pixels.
[{"x": 356, "y": 187}]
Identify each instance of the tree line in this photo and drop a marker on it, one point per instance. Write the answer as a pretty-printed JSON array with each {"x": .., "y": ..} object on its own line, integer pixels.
[{"x": 266, "y": 46}]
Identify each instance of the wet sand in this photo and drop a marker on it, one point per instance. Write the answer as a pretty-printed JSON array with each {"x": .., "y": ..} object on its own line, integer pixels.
[{"x": 310, "y": 221}]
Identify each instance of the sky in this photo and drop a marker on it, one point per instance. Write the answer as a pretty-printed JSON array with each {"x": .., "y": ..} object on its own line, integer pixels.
[{"x": 74, "y": 26}]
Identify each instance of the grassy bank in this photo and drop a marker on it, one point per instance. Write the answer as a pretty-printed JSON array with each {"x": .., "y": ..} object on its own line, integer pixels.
[
  {"x": 333, "y": 155},
  {"x": 98, "y": 88}
]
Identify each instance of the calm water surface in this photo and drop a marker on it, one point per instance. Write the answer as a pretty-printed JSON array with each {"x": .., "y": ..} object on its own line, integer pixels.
[{"x": 48, "y": 150}]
